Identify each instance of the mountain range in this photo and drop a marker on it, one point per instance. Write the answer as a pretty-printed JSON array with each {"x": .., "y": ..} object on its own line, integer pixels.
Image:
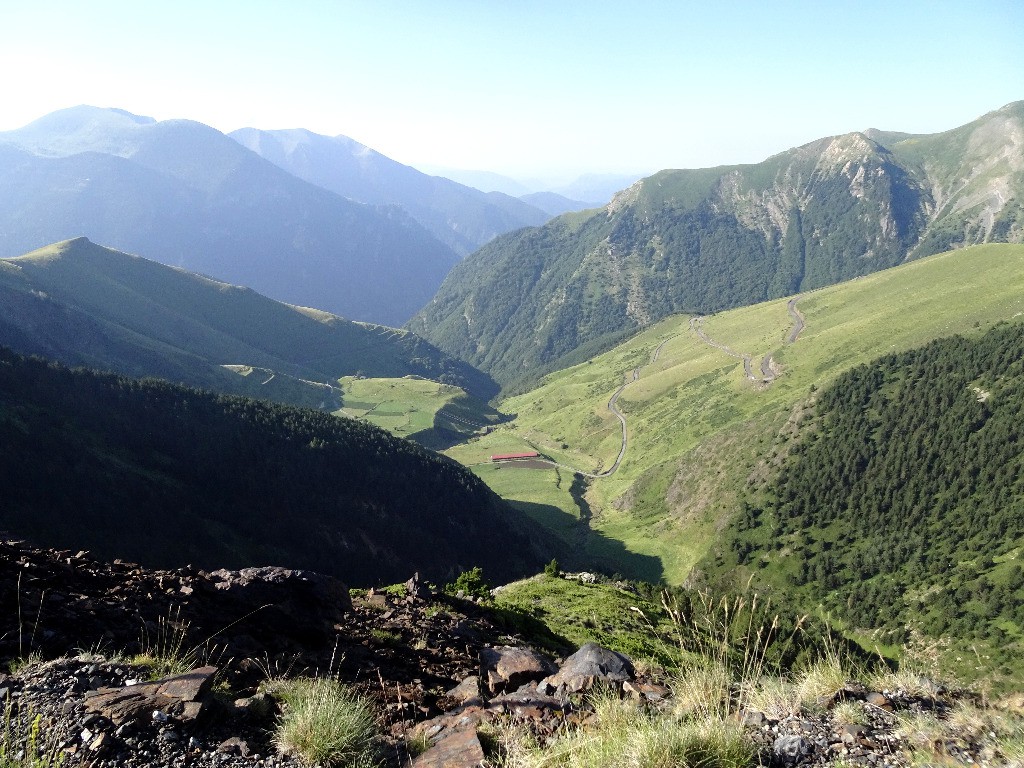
[
  {"x": 461, "y": 217},
  {"x": 187, "y": 195},
  {"x": 700, "y": 241},
  {"x": 591, "y": 190},
  {"x": 745, "y": 426}
]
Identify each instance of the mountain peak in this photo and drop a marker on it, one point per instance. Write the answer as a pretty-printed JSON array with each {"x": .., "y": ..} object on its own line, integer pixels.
[{"x": 77, "y": 129}]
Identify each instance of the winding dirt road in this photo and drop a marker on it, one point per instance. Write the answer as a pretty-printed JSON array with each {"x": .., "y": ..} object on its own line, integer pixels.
[
  {"x": 798, "y": 320},
  {"x": 695, "y": 326},
  {"x": 767, "y": 372},
  {"x": 634, "y": 375}
]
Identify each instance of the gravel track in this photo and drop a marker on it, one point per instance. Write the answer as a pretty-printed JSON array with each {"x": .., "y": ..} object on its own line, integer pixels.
[{"x": 768, "y": 375}]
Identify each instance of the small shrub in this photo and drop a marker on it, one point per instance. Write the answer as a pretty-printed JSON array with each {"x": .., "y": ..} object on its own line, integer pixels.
[
  {"x": 384, "y": 637},
  {"x": 552, "y": 570},
  {"x": 324, "y": 723},
  {"x": 471, "y": 583},
  {"x": 19, "y": 665}
]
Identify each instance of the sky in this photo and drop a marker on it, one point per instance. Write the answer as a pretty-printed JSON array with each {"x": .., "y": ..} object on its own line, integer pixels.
[{"x": 530, "y": 89}]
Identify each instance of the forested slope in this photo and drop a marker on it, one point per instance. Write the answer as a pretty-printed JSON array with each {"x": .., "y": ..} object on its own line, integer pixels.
[
  {"x": 165, "y": 475},
  {"x": 902, "y": 504}
]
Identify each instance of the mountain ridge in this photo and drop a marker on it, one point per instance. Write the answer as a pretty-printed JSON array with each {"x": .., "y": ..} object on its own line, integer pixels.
[
  {"x": 462, "y": 217},
  {"x": 89, "y": 305},
  {"x": 187, "y": 195},
  {"x": 704, "y": 240}
]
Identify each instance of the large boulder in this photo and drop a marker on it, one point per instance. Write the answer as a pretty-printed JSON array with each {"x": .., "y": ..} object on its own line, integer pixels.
[
  {"x": 459, "y": 748},
  {"x": 506, "y": 668},
  {"x": 179, "y": 696},
  {"x": 590, "y": 665}
]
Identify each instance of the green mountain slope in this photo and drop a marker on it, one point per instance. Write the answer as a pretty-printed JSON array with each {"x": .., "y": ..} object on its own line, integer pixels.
[
  {"x": 902, "y": 504},
  {"x": 164, "y": 475},
  {"x": 699, "y": 429},
  {"x": 88, "y": 305},
  {"x": 187, "y": 195},
  {"x": 705, "y": 240}
]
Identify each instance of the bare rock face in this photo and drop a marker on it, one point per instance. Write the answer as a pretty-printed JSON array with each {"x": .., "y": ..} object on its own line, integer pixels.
[
  {"x": 506, "y": 668},
  {"x": 460, "y": 748},
  {"x": 179, "y": 696}
]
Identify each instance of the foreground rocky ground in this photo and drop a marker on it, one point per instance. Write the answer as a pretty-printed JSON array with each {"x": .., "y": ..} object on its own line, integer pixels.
[{"x": 86, "y": 639}]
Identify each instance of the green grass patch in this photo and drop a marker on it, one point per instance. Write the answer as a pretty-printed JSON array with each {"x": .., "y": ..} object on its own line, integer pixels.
[
  {"x": 416, "y": 408},
  {"x": 600, "y": 613}
]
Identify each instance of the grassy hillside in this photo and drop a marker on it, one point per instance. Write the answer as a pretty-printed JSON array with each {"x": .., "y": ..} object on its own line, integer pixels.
[
  {"x": 164, "y": 475},
  {"x": 430, "y": 413},
  {"x": 702, "y": 241},
  {"x": 699, "y": 430},
  {"x": 87, "y": 305}
]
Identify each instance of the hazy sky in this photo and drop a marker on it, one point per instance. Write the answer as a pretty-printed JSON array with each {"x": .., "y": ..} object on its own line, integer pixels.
[{"x": 521, "y": 87}]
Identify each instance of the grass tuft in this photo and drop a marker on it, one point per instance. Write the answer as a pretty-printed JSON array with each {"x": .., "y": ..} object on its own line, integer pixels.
[
  {"x": 325, "y": 723},
  {"x": 822, "y": 680}
]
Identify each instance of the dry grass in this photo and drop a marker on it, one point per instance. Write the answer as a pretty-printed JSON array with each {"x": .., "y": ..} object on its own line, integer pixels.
[
  {"x": 627, "y": 737},
  {"x": 820, "y": 683},
  {"x": 849, "y": 713},
  {"x": 775, "y": 697}
]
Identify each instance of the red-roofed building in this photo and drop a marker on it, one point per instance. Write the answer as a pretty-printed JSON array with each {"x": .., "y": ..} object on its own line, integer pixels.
[{"x": 514, "y": 456}]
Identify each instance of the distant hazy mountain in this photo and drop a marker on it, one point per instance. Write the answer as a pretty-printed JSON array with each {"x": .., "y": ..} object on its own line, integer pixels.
[
  {"x": 589, "y": 190},
  {"x": 462, "y": 217},
  {"x": 556, "y": 204},
  {"x": 596, "y": 187},
  {"x": 87, "y": 305},
  {"x": 485, "y": 181},
  {"x": 706, "y": 240},
  {"x": 187, "y": 195}
]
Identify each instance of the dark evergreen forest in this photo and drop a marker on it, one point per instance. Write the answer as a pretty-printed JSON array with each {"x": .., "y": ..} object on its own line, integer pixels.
[
  {"x": 165, "y": 475},
  {"x": 902, "y": 506}
]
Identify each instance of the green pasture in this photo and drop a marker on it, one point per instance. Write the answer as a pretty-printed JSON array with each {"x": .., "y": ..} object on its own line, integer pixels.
[
  {"x": 414, "y": 407},
  {"x": 699, "y": 431}
]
